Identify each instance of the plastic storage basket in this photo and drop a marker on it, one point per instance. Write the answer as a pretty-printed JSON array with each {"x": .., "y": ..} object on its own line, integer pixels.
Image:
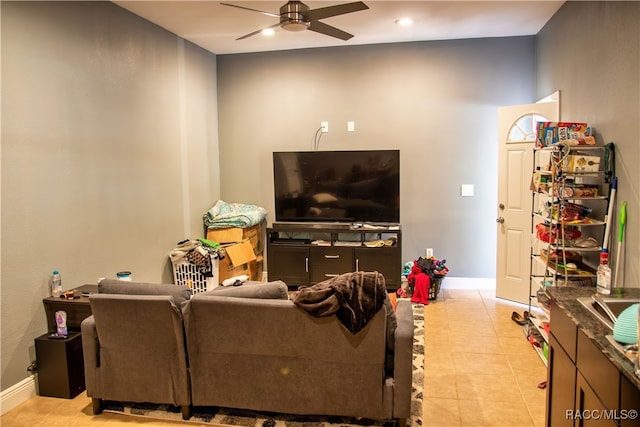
[
  {"x": 187, "y": 274},
  {"x": 434, "y": 288}
]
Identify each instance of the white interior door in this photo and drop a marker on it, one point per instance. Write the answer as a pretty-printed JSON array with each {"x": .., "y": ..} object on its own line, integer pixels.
[{"x": 516, "y": 133}]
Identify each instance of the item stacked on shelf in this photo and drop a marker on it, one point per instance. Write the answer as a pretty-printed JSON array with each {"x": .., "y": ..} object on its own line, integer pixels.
[{"x": 569, "y": 133}]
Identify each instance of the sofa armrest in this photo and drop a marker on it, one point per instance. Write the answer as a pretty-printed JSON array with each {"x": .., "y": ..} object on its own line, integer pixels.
[
  {"x": 91, "y": 354},
  {"x": 403, "y": 359}
]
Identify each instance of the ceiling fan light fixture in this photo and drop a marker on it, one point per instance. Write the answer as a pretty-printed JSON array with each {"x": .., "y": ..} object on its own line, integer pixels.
[
  {"x": 404, "y": 22},
  {"x": 295, "y": 25},
  {"x": 292, "y": 16},
  {"x": 268, "y": 32},
  {"x": 296, "y": 16}
]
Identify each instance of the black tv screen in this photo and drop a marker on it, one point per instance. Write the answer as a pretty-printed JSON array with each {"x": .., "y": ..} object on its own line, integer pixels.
[{"x": 337, "y": 186}]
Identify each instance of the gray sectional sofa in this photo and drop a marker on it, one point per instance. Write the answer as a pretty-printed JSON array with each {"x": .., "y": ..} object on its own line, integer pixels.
[{"x": 246, "y": 347}]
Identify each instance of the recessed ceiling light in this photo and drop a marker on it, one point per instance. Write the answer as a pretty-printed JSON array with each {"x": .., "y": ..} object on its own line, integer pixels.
[
  {"x": 268, "y": 32},
  {"x": 404, "y": 21}
]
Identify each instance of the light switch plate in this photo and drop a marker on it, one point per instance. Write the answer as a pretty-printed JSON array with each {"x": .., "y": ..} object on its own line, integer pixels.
[{"x": 466, "y": 190}]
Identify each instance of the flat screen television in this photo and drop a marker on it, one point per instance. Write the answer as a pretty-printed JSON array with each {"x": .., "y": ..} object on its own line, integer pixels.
[{"x": 337, "y": 186}]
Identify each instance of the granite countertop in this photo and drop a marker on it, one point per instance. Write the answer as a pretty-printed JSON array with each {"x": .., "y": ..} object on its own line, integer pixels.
[{"x": 594, "y": 329}]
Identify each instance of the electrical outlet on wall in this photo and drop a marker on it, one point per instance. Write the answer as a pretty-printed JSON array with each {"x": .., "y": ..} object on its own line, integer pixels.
[
  {"x": 428, "y": 252},
  {"x": 324, "y": 126},
  {"x": 466, "y": 190}
]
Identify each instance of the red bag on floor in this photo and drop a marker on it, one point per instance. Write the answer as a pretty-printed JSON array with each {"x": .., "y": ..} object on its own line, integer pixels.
[{"x": 422, "y": 281}]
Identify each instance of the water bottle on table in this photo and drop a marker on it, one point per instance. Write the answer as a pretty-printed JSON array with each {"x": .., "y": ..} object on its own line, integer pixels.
[{"x": 55, "y": 284}]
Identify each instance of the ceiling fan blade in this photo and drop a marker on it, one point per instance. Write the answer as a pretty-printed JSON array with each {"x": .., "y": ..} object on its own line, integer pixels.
[
  {"x": 257, "y": 31},
  {"x": 252, "y": 10},
  {"x": 328, "y": 30},
  {"x": 341, "y": 9}
]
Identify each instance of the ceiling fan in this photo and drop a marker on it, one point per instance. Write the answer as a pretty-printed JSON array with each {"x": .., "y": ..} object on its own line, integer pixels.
[{"x": 296, "y": 16}]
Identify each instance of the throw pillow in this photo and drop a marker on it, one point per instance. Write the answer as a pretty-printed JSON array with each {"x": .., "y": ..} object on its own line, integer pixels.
[{"x": 179, "y": 293}]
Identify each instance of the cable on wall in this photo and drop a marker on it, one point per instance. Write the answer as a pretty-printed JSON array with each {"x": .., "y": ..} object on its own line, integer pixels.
[{"x": 316, "y": 139}]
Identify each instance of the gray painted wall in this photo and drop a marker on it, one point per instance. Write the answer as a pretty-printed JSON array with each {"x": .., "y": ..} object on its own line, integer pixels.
[
  {"x": 434, "y": 101},
  {"x": 590, "y": 52},
  {"x": 109, "y": 154}
]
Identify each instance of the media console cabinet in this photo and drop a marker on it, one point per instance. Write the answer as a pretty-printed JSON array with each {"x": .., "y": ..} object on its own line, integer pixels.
[{"x": 305, "y": 254}]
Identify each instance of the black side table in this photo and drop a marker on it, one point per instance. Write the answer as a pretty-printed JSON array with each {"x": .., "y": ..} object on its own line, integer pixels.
[{"x": 60, "y": 366}]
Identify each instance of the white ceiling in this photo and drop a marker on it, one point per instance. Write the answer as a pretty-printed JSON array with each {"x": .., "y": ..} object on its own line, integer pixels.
[{"x": 216, "y": 27}]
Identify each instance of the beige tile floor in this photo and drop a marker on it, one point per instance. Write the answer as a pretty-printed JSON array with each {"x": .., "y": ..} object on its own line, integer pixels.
[
  {"x": 479, "y": 371},
  {"x": 479, "y": 368}
]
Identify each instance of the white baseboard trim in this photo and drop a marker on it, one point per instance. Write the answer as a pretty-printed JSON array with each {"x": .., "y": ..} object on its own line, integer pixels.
[
  {"x": 468, "y": 283},
  {"x": 17, "y": 394}
]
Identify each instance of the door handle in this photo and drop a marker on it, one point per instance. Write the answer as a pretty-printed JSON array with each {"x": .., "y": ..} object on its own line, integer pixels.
[
  {"x": 332, "y": 256},
  {"x": 331, "y": 275},
  {"x": 501, "y": 206},
  {"x": 306, "y": 264},
  {"x": 500, "y": 220}
]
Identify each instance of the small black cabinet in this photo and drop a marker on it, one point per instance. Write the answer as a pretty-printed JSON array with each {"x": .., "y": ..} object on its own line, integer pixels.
[
  {"x": 60, "y": 366},
  {"x": 629, "y": 403},
  {"x": 288, "y": 263},
  {"x": 562, "y": 380},
  {"x": 588, "y": 402},
  {"x": 304, "y": 254},
  {"x": 387, "y": 261}
]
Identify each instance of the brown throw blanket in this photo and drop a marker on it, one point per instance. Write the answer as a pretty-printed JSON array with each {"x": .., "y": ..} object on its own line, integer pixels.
[{"x": 353, "y": 297}]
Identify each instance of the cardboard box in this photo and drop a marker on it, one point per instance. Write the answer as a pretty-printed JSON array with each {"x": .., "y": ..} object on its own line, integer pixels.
[
  {"x": 572, "y": 133},
  {"x": 229, "y": 235},
  {"x": 227, "y": 268},
  {"x": 240, "y": 253},
  {"x": 244, "y": 247},
  {"x": 580, "y": 163}
]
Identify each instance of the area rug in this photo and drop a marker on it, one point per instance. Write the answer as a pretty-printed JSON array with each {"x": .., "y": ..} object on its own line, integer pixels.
[{"x": 245, "y": 418}]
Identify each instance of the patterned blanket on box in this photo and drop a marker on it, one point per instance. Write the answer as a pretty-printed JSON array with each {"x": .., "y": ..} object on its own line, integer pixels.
[{"x": 224, "y": 215}]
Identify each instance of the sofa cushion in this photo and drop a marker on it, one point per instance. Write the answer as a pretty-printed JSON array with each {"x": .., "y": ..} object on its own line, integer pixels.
[
  {"x": 179, "y": 293},
  {"x": 250, "y": 289}
]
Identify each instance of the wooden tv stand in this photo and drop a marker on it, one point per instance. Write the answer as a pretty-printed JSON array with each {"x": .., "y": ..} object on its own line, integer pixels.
[{"x": 305, "y": 254}]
